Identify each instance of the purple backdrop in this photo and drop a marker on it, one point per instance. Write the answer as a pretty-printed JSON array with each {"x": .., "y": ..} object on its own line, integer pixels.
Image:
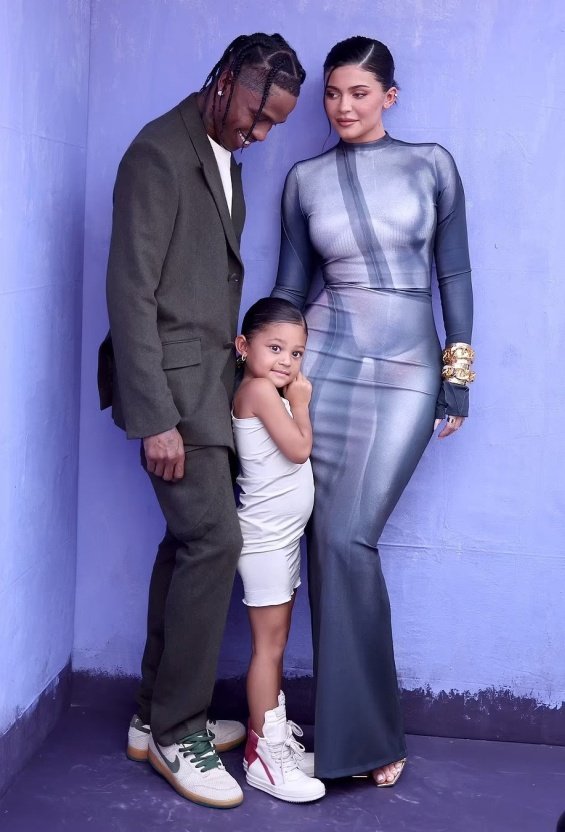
[
  {"x": 44, "y": 48},
  {"x": 473, "y": 554}
]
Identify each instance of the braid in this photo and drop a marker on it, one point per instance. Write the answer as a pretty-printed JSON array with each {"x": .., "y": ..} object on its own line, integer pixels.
[
  {"x": 214, "y": 73},
  {"x": 275, "y": 64},
  {"x": 235, "y": 68}
]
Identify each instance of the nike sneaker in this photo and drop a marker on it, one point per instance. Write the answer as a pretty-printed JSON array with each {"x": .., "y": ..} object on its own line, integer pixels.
[{"x": 194, "y": 770}]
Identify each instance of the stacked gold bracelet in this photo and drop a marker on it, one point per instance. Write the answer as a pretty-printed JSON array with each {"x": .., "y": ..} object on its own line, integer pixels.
[{"x": 457, "y": 360}]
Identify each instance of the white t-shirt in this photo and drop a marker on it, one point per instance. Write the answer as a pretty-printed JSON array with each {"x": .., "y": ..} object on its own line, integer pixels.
[{"x": 223, "y": 158}]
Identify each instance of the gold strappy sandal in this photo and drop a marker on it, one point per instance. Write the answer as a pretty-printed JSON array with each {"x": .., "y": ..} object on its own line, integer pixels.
[{"x": 388, "y": 783}]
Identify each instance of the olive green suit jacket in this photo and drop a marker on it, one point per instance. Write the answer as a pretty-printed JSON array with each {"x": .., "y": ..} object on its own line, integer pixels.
[{"x": 173, "y": 285}]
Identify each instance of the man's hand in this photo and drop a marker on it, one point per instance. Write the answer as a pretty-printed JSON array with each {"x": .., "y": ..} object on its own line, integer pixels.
[{"x": 164, "y": 453}]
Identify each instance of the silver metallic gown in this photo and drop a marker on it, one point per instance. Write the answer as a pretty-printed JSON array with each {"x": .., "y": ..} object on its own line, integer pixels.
[{"x": 373, "y": 217}]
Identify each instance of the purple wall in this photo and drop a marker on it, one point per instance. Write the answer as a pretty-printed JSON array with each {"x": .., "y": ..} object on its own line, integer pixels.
[
  {"x": 473, "y": 554},
  {"x": 44, "y": 49}
]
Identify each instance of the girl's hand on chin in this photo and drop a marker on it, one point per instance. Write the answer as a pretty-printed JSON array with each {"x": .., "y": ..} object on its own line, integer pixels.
[{"x": 299, "y": 391}]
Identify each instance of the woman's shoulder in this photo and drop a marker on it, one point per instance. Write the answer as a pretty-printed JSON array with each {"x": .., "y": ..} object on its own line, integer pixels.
[
  {"x": 431, "y": 155},
  {"x": 314, "y": 164},
  {"x": 432, "y": 150},
  {"x": 305, "y": 167}
]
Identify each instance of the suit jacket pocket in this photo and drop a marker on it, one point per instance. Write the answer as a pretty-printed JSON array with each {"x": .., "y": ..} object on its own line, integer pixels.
[{"x": 177, "y": 354}]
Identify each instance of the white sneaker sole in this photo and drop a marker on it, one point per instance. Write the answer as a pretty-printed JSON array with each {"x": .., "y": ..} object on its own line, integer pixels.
[
  {"x": 162, "y": 769},
  {"x": 289, "y": 797}
]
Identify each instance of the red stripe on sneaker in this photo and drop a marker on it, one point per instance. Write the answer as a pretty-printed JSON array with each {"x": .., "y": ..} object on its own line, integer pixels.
[
  {"x": 267, "y": 772},
  {"x": 251, "y": 754},
  {"x": 251, "y": 747}
]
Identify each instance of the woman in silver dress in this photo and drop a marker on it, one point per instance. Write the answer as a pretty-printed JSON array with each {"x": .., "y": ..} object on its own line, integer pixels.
[{"x": 372, "y": 213}]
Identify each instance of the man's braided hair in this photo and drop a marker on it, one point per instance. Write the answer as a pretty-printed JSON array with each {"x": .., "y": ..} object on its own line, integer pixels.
[{"x": 273, "y": 61}]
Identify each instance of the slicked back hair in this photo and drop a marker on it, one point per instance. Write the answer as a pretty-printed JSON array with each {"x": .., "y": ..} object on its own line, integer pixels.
[
  {"x": 259, "y": 61},
  {"x": 365, "y": 53},
  {"x": 267, "y": 311}
]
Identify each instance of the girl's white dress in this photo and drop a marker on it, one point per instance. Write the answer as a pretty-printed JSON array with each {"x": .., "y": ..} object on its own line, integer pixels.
[{"x": 277, "y": 497}]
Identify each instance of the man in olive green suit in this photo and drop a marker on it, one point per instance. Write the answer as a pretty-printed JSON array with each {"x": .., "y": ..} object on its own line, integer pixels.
[{"x": 167, "y": 368}]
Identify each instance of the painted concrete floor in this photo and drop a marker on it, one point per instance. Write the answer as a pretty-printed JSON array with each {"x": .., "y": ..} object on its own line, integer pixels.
[{"x": 81, "y": 780}]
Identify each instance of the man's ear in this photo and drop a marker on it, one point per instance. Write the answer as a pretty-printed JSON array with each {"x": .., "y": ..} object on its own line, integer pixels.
[{"x": 224, "y": 82}]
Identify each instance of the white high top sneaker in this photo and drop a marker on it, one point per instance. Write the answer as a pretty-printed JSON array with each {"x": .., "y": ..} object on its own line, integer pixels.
[
  {"x": 304, "y": 759},
  {"x": 272, "y": 762}
]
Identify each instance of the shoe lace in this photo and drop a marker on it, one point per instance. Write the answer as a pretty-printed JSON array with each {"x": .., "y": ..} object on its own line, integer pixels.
[
  {"x": 199, "y": 745},
  {"x": 296, "y": 747},
  {"x": 290, "y": 751},
  {"x": 296, "y": 729}
]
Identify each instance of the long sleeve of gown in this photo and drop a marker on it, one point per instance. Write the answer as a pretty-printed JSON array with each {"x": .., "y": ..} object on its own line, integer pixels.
[
  {"x": 451, "y": 252},
  {"x": 297, "y": 258}
]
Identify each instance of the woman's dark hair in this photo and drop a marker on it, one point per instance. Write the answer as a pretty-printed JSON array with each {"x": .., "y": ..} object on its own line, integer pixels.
[
  {"x": 267, "y": 311},
  {"x": 272, "y": 63},
  {"x": 366, "y": 53}
]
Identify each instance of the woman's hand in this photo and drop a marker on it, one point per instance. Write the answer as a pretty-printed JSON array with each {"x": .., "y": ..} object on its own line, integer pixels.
[
  {"x": 452, "y": 424},
  {"x": 298, "y": 392}
]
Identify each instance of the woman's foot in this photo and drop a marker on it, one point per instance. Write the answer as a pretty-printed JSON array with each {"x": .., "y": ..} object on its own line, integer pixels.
[{"x": 389, "y": 774}]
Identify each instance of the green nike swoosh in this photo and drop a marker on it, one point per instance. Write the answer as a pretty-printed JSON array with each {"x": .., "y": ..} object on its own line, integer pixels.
[{"x": 172, "y": 766}]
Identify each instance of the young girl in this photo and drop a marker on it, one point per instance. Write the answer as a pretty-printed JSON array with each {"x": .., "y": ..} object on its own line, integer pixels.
[{"x": 273, "y": 438}]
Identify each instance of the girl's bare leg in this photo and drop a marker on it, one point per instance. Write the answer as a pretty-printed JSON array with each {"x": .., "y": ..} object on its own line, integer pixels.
[{"x": 269, "y": 632}]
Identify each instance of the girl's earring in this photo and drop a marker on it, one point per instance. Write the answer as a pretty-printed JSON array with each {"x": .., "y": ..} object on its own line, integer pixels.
[
  {"x": 241, "y": 359},
  {"x": 220, "y": 92}
]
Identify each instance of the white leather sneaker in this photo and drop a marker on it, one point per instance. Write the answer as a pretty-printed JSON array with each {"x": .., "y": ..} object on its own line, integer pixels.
[
  {"x": 225, "y": 734},
  {"x": 194, "y": 770},
  {"x": 271, "y": 762},
  {"x": 304, "y": 759}
]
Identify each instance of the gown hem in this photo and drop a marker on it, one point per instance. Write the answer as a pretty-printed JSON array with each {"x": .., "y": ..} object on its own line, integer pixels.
[{"x": 348, "y": 771}]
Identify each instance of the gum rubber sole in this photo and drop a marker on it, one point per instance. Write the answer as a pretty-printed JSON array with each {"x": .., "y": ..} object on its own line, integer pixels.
[
  {"x": 138, "y": 755},
  {"x": 162, "y": 769}
]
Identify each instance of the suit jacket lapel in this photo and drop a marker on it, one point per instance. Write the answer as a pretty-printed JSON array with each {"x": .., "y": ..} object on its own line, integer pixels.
[
  {"x": 238, "y": 202},
  {"x": 199, "y": 138}
]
